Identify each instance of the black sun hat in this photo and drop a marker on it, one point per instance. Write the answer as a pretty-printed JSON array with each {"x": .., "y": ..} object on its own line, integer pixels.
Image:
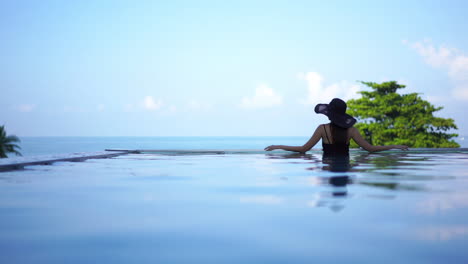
[{"x": 336, "y": 112}]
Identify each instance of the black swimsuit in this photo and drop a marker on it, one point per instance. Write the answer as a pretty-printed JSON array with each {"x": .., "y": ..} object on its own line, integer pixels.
[{"x": 335, "y": 148}]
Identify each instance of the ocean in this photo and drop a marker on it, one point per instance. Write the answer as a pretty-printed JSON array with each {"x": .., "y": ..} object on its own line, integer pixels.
[{"x": 31, "y": 146}]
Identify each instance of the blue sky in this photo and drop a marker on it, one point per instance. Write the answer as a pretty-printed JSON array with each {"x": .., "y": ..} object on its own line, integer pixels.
[{"x": 212, "y": 68}]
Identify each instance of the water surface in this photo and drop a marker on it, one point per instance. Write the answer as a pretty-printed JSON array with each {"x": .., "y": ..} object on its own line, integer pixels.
[{"x": 398, "y": 207}]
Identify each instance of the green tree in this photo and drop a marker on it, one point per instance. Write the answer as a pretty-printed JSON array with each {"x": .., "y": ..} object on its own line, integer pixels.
[
  {"x": 7, "y": 143},
  {"x": 389, "y": 118}
]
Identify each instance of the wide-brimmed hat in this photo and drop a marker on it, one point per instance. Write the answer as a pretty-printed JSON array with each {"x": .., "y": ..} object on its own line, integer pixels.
[{"x": 336, "y": 112}]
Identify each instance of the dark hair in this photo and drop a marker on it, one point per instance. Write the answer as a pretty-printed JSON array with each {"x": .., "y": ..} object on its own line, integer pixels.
[{"x": 339, "y": 134}]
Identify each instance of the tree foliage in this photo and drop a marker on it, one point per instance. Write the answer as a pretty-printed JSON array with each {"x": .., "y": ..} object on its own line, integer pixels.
[
  {"x": 389, "y": 118},
  {"x": 7, "y": 144}
]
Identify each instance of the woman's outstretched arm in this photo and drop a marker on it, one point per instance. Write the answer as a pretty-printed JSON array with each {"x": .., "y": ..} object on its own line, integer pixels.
[
  {"x": 302, "y": 149},
  {"x": 356, "y": 136}
]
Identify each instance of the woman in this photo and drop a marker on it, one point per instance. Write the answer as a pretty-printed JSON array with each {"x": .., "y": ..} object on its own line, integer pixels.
[{"x": 336, "y": 135}]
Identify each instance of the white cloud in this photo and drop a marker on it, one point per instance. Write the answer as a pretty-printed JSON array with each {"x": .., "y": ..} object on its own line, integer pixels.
[
  {"x": 453, "y": 61},
  {"x": 197, "y": 105},
  {"x": 149, "y": 103},
  {"x": 319, "y": 93},
  {"x": 264, "y": 97},
  {"x": 25, "y": 108},
  {"x": 172, "y": 108},
  {"x": 459, "y": 67},
  {"x": 436, "y": 57}
]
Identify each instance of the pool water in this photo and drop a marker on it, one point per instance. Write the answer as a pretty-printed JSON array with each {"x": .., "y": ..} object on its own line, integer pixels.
[{"x": 394, "y": 207}]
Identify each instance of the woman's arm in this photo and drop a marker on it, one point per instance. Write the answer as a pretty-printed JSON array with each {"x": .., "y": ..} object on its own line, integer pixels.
[
  {"x": 356, "y": 136},
  {"x": 302, "y": 149}
]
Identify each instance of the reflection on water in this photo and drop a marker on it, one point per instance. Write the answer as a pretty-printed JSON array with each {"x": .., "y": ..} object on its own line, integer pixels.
[
  {"x": 407, "y": 207},
  {"x": 441, "y": 233},
  {"x": 337, "y": 181},
  {"x": 396, "y": 171},
  {"x": 339, "y": 164}
]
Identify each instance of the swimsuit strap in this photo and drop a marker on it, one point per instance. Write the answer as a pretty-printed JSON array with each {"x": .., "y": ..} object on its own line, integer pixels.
[{"x": 326, "y": 134}]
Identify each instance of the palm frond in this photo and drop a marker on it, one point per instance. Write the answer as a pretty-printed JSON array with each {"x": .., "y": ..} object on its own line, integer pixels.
[
  {"x": 7, "y": 143},
  {"x": 2, "y": 132},
  {"x": 11, "y": 147},
  {"x": 17, "y": 153},
  {"x": 12, "y": 138}
]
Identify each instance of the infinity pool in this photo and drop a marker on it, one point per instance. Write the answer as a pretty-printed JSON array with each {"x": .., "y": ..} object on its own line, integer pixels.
[{"x": 396, "y": 207}]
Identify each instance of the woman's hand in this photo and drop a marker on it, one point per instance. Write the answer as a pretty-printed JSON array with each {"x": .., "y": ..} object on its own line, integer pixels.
[
  {"x": 272, "y": 147},
  {"x": 402, "y": 147}
]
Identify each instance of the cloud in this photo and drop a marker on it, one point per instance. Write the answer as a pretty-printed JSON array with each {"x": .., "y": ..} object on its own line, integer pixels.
[
  {"x": 197, "y": 105},
  {"x": 436, "y": 57},
  {"x": 264, "y": 97},
  {"x": 149, "y": 103},
  {"x": 453, "y": 61},
  {"x": 172, "y": 108},
  {"x": 319, "y": 93},
  {"x": 25, "y": 108}
]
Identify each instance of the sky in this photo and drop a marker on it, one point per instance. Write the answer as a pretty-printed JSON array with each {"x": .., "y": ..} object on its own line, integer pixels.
[{"x": 219, "y": 68}]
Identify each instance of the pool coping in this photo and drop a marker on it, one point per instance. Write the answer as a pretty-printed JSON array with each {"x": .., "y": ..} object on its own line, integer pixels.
[
  {"x": 256, "y": 151},
  {"x": 20, "y": 164}
]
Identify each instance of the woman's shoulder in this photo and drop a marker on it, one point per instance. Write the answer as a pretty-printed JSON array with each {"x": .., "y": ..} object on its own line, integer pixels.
[
  {"x": 352, "y": 130},
  {"x": 323, "y": 126}
]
